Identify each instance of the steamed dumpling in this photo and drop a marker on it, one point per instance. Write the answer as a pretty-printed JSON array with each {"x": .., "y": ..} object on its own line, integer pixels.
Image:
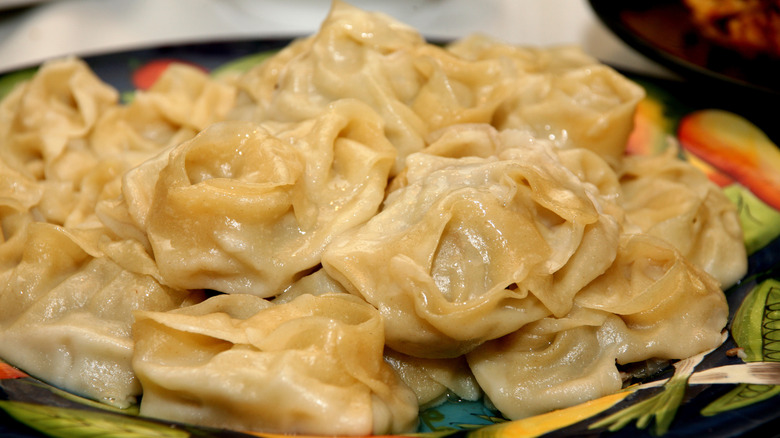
[
  {"x": 669, "y": 198},
  {"x": 549, "y": 364},
  {"x": 472, "y": 249},
  {"x": 650, "y": 304},
  {"x": 669, "y": 308},
  {"x": 66, "y": 306},
  {"x": 66, "y": 315},
  {"x": 247, "y": 208},
  {"x": 313, "y": 365}
]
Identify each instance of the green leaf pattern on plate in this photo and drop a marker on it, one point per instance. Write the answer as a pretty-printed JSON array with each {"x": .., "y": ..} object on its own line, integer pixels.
[
  {"x": 661, "y": 407},
  {"x": 756, "y": 329},
  {"x": 74, "y": 423}
]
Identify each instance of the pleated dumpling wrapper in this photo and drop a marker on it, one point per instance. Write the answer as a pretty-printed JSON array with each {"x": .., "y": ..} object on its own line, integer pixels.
[
  {"x": 669, "y": 198},
  {"x": 65, "y": 306},
  {"x": 418, "y": 88},
  {"x": 313, "y": 365},
  {"x": 472, "y": 249},
  {"x": 248, "y": 208},
  {"x": 66, "y": 315},
  {"x": 650, "y": 304}
]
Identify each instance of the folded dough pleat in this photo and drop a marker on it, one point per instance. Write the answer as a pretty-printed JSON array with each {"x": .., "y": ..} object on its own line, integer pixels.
[
  {"x": 435, "y": 380},
  {"x": 355, "y": 55},
  {"x": 561, "y": 94},
  {"x": 651, "y": 304},
  {"x": 311, "y": 365},
  {"x": 45, "y": 118},
  {"x": 548, "y": 364},
  {"x": 247, "y": 208},
  {"x": 669, "y": 198},
  {"x": 665, "y": 306},
  {"x": 66, "y": 315},
  {"x": 472, "y": 249}
]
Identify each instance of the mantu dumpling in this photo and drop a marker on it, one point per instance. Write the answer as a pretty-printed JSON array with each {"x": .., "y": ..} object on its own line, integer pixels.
[
  {"x": 650, "y": 304},
  {"x": 183, "y": 101},
  {"x": 591, "y": 107},
  {"x": 549, "y": 364},
  {"x": 418, "y": 88},
  {"x": 313, "y": 365},
  {"x": 668, "y": 308},
  {"x": 562, "y": 94},
  {"x": 248, "y": 208},
  {"x": 472, "y": 249},
  {"x": 355, "y": 55},
  {"x": 66, "y": 315},
  {"x": 43, "y": 121},
  {"x": 44, "y": 124},
  {"x": 669, "y": 198}
]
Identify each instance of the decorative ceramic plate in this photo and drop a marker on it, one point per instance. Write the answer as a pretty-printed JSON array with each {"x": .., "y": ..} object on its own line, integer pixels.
[
  {"x": 663, "y": 31},
  {"x": 729, "y": 392}
]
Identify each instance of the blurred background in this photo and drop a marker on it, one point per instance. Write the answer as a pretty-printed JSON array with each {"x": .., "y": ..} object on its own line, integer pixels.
[{"x": 32, "y": 31}]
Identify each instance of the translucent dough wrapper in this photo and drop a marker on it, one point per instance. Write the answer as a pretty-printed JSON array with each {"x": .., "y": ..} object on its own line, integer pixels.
[
  {"x": 435, "y": 380},
  {"x": 44, "y": 123},
  {"x": 482, "y": 140},
  {"x": 591, "y": 107},
  {"x": 45, "y": 119},
  {"x": 473, "y": 249},
  {"x": 355, "y": 55},
  {"x": 669, "y": 198},
  {"x": 312, "y": 365},
  {"x": 247, "y": 208},
  {"x": 66, "y": 315},
  {"x": 650, "y": 304},
  {"x": 547, "y": 365},
  {"x": 316, "y": 283},
  {"x": 418, "y": 88},
  {"x": 666, "y": 307},
  {"x": 181, "y": 102},
  {"x": 66, "y": 306},
  {"x": 561, "y": 94}
]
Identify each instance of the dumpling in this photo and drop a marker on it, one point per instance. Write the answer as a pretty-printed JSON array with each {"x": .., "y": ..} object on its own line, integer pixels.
[
  {"x": 591, "y": 107},
  {"x": 418, "y": 88},
  {"x": 524, "y": 60},
  {"x": 355, "y": 55},
  {"x": 67, "y": 306},
  {"x": 473, "y": 249},
  {"x": 183, "y": 101},
  {"x": 561, "y": 94},
  {"x": 46, "y": 119},
  {"x": 669, "y": 198},
  {"x": 66, "y": 315},
  {"x": 313, "y": 365},
  {"x": 247, "y": 208},
  {"x": 549, "y": 364},
  {"x": 45, "y": 125},
  {"x": 650, "y": 304},
  {"x": 667, "y": 307}
]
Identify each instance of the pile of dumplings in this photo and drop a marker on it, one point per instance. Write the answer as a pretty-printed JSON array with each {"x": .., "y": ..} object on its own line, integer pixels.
[{"x": 358, "y": 227}]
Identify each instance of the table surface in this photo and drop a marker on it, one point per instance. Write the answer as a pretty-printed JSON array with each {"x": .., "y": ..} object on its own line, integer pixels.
[{"x": 32, "y": 31}]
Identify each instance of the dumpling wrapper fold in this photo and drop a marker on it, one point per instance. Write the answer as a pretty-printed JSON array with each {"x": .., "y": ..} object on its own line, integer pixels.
[{"x": 313, "y": 365}]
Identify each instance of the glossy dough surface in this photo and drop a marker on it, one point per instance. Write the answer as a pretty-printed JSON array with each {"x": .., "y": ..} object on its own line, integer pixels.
[{"x": 314, "y": 364}]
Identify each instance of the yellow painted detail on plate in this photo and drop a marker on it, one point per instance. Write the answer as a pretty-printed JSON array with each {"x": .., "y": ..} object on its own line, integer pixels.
[{"x": 541, "y": 424}]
